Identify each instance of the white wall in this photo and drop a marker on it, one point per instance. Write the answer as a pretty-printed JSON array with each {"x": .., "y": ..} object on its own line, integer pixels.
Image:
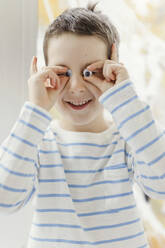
[{"x": 18, "y": 35}]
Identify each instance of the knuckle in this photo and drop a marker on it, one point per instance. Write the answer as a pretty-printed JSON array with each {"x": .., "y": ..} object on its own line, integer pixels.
[{"x": 47, "y": 71}]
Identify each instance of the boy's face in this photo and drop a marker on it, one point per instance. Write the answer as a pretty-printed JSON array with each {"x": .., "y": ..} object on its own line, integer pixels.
[{"x": 77, "y": 52}]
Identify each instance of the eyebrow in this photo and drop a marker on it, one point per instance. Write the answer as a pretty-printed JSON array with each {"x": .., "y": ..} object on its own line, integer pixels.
[{"x": 87, "y": 64}]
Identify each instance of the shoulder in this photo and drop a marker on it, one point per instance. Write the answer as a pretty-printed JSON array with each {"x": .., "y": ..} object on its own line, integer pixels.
[
  {"x": 50, "y": 133},
  {"x": 115, "y": 132}
]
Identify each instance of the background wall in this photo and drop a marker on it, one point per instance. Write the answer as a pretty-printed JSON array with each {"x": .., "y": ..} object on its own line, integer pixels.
[
  {"x": 22, "y": 25},
  {"x": 18, "y": 30},
  {"x": 18, "y": 34}
]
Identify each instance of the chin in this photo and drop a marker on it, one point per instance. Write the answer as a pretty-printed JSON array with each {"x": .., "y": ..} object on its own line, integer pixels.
[{"x": 79, "y": 118}]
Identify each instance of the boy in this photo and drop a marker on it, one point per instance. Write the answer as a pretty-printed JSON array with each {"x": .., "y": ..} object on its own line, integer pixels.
[{"x": 81, "y": 166}]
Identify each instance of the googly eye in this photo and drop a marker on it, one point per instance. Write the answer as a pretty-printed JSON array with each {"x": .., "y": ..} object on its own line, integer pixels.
[
  {"x": 87, "y": 73},
  {"x": 68, "y": 73}
]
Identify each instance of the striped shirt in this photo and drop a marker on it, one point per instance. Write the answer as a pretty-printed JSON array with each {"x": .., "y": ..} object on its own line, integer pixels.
[{"x": 81, "y": 183}]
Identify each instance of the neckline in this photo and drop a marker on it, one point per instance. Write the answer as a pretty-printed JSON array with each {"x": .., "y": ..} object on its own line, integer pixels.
[{"x": 82, "y": 135}]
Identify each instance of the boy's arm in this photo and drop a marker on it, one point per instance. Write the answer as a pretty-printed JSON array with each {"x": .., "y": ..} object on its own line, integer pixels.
[
  {"x": 145, "y": 139},
  {"x": 18, "y": 158}
]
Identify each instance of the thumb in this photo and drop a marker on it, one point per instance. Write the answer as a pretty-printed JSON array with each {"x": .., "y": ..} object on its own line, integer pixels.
[
  {"x": 114, "y": 56},
  {"x": 33, "y": 66}
]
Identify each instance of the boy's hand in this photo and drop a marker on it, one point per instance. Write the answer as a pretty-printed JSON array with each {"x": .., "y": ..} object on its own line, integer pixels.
[
  {"x": 112, "y": 72},
  {"x": 42, "y": 92}
]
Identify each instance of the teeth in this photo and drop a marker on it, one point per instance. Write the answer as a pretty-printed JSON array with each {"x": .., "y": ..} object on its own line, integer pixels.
[{"x": 83, "y": 102}]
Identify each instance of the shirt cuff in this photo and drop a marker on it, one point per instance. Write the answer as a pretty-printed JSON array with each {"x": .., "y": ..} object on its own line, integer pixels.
[
  {"x": 117, "y": 95},
  {"x": 32, "y": 122}
]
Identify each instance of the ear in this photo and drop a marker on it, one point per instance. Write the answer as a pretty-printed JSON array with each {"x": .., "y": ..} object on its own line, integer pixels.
[{"x": 114, "y": 53}]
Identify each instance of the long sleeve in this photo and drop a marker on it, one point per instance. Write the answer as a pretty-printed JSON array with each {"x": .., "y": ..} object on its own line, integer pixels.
[
  {"x": 19, "y": 158},
  {"x": 143, "y": 136}
]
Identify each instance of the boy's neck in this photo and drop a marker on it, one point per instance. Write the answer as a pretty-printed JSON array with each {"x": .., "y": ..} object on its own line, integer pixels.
[{"x": 94, "y": 127}]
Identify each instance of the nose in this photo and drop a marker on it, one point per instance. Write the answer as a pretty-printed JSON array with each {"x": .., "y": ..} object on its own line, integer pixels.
[{"x": 76, "y": 85}]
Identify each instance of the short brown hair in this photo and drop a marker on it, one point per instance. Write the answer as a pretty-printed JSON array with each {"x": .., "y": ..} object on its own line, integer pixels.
[{"x": 83, "y": 21}]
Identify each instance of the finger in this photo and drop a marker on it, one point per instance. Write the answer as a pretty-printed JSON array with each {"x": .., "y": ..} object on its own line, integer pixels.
[
  {"x": 50, "y": 78},
  {"x": 56, "y": 82},
  {"x": 49, "y": 83},
  {"x": 99, "y": 65},
  {"x": 100, "y": 84},
  {"x": 114, "y": 56},
  {"x": 96, "y": 65},
  {"x": 115, "y": 70},
  {"x": 53, "y": 92},
  {"x": 33, "y": 66},
  {"x": 108, "y": 71}
]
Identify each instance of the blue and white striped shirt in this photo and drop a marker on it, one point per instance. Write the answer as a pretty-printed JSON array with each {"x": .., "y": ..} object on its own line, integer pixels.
[{"x": 80, "y": 182}]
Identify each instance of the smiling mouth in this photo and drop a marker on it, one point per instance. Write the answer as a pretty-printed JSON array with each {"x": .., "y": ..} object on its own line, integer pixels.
[{"x": 79, "y": 107}]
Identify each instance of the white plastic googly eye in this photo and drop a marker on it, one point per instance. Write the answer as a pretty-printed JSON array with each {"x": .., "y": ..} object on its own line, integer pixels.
[
  {"x": 87, "y": 73},
  {"x": 69, "y": 73}
]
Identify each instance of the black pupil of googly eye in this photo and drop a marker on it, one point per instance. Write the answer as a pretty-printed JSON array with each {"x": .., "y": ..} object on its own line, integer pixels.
[
  {"x": 68, "y": 73},
  {"x": 87, "y": 73}
]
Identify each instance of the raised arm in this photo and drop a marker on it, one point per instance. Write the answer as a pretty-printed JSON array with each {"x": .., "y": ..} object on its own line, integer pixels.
[
  {"x": 145, "y": 139},
  {"x": 18, "y": 158}
]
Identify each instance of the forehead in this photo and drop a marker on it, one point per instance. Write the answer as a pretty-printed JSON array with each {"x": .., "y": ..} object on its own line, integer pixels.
[{"x": 70, "y": 48}]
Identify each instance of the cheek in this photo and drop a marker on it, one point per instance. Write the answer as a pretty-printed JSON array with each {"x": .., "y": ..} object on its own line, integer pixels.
[
  {"x": 94, "y": 90},
  {"x": 59, "y": 103},
  {"x": 63, "y": 83}
]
